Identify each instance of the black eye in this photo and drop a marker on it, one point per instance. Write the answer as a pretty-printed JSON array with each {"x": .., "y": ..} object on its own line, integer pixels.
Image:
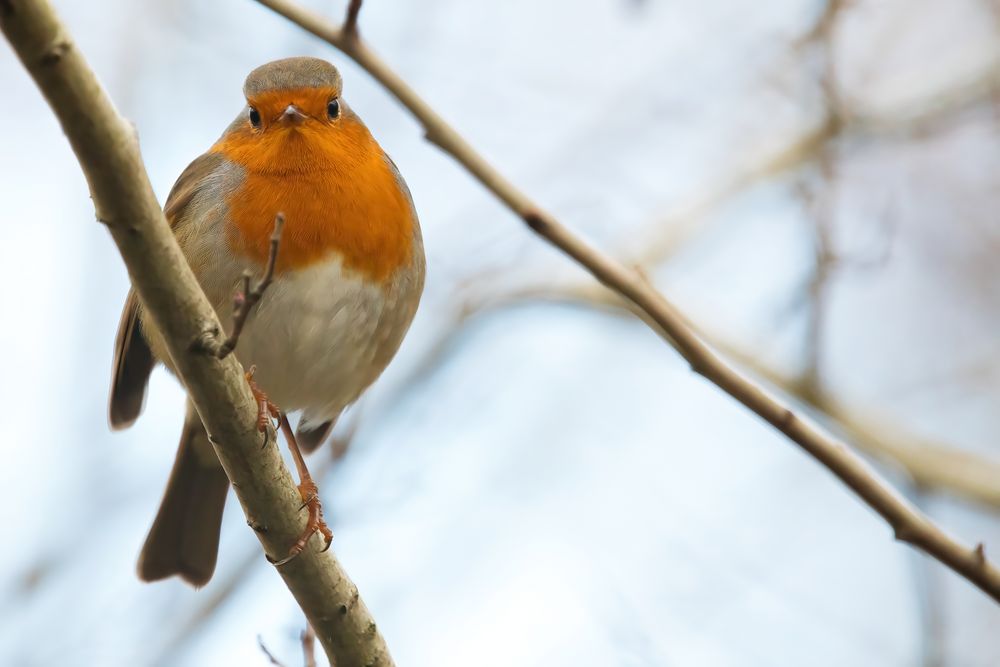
[
  {"x": 254, "y": 117},
  {"x": 333, "y": 109}
]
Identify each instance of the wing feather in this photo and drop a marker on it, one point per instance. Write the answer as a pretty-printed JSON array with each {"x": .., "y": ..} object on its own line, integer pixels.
[{"x": 133, "y": 360}]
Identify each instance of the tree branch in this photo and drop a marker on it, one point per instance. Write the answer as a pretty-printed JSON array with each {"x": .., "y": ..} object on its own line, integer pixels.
[
  {"x": 934, "y": 465},
  {"x": 108, "y": 152},
  {"x": 908, "y": 524}
]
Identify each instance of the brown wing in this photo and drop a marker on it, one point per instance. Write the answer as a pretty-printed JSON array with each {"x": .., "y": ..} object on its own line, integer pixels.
[
  {"x": 133, "y": 361},
  {"x": 132, "y": 365},
  {"x": 188, "y": 184}
]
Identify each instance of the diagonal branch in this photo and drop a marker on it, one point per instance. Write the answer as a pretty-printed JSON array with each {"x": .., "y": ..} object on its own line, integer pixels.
[
  {"x": 908, "y": 524},
  {"x": 937, "y": 466},
  {"x": 108, "y": 152}
]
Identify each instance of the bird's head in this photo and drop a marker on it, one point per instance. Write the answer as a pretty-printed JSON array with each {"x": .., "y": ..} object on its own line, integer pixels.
[{"x": 295, "y": 120}]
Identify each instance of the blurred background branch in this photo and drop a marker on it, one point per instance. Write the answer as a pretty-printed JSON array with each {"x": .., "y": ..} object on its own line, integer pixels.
[{"x": 935, "y": 465}]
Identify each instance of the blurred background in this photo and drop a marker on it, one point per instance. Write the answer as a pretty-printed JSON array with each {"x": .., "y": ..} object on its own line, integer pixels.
[{"x": 538, "y": 479}]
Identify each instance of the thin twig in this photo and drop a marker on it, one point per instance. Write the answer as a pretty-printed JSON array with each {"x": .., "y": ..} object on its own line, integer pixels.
[
  {"x": 308, "y": 638},
  {"x": 824, "y": 204},
  {"x": 266, "y": 652},
  {"x": 246, "y": 298},
  {"x": 908, "y": 524},
  {"x": 928, "y": 589},
  {"x": 351, "y": 20}
]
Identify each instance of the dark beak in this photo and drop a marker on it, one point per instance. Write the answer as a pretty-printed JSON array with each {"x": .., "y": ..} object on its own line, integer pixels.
[{"x": 292, "y": 114}]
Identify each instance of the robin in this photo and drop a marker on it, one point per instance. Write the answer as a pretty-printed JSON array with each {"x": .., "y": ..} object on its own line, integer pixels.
[{"x": 347, "y": 281}]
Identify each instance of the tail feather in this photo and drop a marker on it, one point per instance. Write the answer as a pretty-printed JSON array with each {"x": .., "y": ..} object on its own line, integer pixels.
[
  {"x": 184, "y": 539},
  {"x": 311, "y": 436}
]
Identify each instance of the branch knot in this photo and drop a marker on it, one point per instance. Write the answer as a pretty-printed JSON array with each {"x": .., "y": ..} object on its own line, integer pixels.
[{"x": 55, "y": 52}]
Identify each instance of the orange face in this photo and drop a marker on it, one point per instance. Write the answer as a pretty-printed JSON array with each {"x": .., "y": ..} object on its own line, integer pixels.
[
  {"x": 293, "y": 130},
  {"x": 309, "y": 157},
  {"x": 275, "y": 106}
]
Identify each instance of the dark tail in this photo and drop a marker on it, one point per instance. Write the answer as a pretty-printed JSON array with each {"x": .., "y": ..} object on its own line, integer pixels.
[{"x": 184, "y": 539}]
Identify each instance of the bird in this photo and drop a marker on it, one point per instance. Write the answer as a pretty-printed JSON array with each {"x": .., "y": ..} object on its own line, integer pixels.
[{"x": 347, "y": 281}]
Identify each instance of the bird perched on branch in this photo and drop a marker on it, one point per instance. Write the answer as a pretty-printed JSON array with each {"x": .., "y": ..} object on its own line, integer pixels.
[{"x": 346, "y": 283}]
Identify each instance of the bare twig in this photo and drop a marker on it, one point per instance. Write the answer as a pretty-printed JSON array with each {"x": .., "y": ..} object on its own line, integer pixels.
[
  {"x": 823, "y": 25},
  {"x": 926, "y": 582},
  {"x": 351, "y": 20},
  {"x": 267, "y": 653},
  {"x": 247, "y": 298},
  {"x": 308, "y": 638},
  {"x": 824, "y": 203},
  {"x": 108, "y": 152},
  {"x": 908, "y": 524}
]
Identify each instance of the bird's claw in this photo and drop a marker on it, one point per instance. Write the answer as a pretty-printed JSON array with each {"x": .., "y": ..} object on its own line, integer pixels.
[
  {"x": 307, "y": 487},
  {"x": 315, "y": 524},
  {"x": 266, "y": 410}
]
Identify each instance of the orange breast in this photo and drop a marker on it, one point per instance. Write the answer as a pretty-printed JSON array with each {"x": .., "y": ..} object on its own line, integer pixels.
[{"x": 336, "y": 189}]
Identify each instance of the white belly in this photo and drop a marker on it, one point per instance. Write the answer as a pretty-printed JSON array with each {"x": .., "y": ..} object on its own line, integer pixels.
[{"x": 320, "y": 336}]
